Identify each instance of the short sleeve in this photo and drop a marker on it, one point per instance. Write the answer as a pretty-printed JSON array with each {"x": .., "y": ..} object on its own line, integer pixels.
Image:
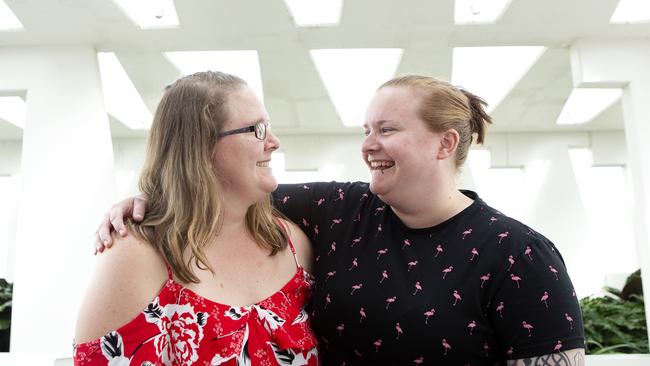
[{"x": 535, "y": 309}]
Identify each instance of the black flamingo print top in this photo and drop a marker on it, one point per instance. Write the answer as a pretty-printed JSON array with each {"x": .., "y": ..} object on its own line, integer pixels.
[{"x": 477, "y": 289}]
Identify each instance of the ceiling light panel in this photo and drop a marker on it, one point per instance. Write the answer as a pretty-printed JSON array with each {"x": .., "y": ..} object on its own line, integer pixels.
[
  {"x": 586, "y": 103},
  {"x": 8, "y": 20},
  {"x": 120, "y": 95},
  {"x": 351, "y": 77},
  {"x": 499, "y": 69},
  {"x": 631, "y": 11},
  {"x": 13, "y": 110},
  {"x": 245, "y": 64},
  {"x": 150, "y": 14},
  {"x": 314, "y": 13},
  {"x": 479, "y": 11}
]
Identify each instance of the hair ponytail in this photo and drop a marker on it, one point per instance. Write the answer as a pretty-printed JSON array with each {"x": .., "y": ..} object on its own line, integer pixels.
[{"x": 479, "y": 118}]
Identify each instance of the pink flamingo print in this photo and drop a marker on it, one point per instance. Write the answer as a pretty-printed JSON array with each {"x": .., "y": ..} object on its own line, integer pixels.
[
  {"x": 509, "y": 353},
  {"x": 492, "y": 220},
  {"x": 398, "y": 329},
  {"x": 358, "y": 218},
  {"x": 515, "y": 278},
  {"x": 362, "y": 313},
  {"x": 341, "y": 195},
  {"x": 558, "y": 346},
  {"x": 363, "y": 196},
  {"x": 336, "y": 222},
  {"x": 355, "y": 264},
  {"x": 384, "y": 275},
  {"x": 330, "y": 274},
  {"x": 320, "y": 201},
  {"x": 355, "y": 288},
  {"x": 418, "y": 287},
  {"x": 377, "y": 344},
  {"x": 528, "y": 327},
  {"x": 544, "y": 299},
  {"x": 407, "y": 243},
  {"x": 411, "y": 265},
  {"x": 474, "y": 254},
  {"x": 447, "y": 270},
  {"x": 284, "y": 199},
  {"x": 355, "y": 241},
  {"x": 379, "y": 210},
  {"x": 503, "y": 235},
  {"x": 306, "y": 188},
  {"x": 328, "y": 300},
  {"x": 528, "y": 252},
  {"x": 317, "y": 258},
  {"x": 305, "y": 223},
  {"x": 379, "y": 229},
  {"x": 466, "y": 232},
  {"x": 471, "y": 326},
  {"x": 446, "y": 346},
  {"x": 457, "y": 297},
  {"x": 381, "y": 252},
  {"x": 569, "y": 319},
  {"x": 499, "y": 309},
  {"x": 439, "y": 251},
  {"x": 390, "y": 300},
  {"x": 429, "y": 314},
  {"x": 511, "y": 260},
  {"x": 316, "y": 231},
  {"x": 418, "y": 361},
  {"x": 486, "y": 348},
  {"x": 358, "y": 354},
  {"x": 340, "y": 328},
  {"x": 484, "y": 278},
  {"x": 552, "y": 269},
  {"x": 332, "y": 248}
]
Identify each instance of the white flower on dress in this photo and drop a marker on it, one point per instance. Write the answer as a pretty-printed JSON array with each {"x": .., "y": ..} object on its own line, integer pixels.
[
  {"x": 113, "y": 349},
  {"x": 302, "y": 316},
  {"x": 270, "y": 319},
  {"x": 181, "y": 332},
  {"x": 287, "y": 357}
]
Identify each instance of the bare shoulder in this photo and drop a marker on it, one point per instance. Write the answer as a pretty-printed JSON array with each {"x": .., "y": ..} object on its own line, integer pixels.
[
  {"x": 302, "y": 244},
  {"x": 572, "y": 357},
  {"x": 125, "y": 279}
]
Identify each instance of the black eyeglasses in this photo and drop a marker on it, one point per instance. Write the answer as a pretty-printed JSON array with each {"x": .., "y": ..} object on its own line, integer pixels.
[{"x": 259, "y": 128}]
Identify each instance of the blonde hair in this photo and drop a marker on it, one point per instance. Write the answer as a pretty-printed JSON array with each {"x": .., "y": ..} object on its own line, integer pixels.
[
  {"x": 445, "y": 107},
  {"x": 184, "y": 194}
]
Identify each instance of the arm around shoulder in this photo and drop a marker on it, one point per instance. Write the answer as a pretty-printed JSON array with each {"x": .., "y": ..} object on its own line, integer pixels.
[
  {"x": 572, "y": 357},
  {"x": 125, "y": 279}
]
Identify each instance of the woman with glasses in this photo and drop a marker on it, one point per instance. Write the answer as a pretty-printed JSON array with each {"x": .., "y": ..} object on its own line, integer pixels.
[
  {"x": 409, "y": 269},
  {"x": 212, "y": 276}
]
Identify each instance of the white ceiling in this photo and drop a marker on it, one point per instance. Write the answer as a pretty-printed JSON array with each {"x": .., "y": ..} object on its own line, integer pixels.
[{"x": 294, "y": 93}]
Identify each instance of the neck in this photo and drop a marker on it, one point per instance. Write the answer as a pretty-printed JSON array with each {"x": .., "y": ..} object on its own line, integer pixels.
[{"x": 431, "y": 209}]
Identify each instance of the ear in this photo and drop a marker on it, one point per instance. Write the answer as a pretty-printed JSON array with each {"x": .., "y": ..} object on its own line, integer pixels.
[{"x": 448, "y": 144}]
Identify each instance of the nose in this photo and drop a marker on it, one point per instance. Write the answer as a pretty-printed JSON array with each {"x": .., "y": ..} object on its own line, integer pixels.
[
  {"x": 369, "y": 144},
  {"x": 271, "y": 142}
]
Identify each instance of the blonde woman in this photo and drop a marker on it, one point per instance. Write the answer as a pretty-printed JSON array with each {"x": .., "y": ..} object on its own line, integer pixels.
[{"x": 212, "y": 275}]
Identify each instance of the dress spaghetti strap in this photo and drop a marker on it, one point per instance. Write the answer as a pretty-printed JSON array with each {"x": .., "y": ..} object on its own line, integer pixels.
[{"x": 293, "y": 250}]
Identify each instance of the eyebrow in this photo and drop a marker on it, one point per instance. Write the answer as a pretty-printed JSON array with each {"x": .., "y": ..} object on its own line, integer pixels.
[{"x": 379, "y": 123}]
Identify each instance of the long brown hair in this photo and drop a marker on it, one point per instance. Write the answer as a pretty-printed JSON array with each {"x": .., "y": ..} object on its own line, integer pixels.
[
  {"x": 184, "y": 194},
  {"x": 445, "y": 107}
]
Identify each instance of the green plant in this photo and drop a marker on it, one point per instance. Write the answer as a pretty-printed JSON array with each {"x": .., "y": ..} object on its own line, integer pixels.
[
  {"x": 6, "y": 292},
  {"x": 615, "y": 323}
]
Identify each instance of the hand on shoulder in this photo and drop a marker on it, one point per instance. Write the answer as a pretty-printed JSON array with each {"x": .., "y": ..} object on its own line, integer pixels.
[{"x": 125, "y": 279}]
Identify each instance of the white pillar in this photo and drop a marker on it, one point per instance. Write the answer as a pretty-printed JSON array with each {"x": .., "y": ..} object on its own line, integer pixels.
[
  {"x": 625, "y": 64},
  {"x": 68, "y": 182}
]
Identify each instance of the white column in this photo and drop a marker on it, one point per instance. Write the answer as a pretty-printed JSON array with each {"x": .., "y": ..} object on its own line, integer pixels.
[
  {"x": 625, "y": 64},
  {"x": 68, "y": 181}
]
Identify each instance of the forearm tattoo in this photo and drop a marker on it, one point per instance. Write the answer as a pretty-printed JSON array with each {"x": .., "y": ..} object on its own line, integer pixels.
[{"x": 568, "y": 358}]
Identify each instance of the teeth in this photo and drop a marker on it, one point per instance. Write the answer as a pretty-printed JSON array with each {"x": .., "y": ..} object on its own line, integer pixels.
[
  {"x": 263, "y": 164},
  {"x": 381, "y": 164}
]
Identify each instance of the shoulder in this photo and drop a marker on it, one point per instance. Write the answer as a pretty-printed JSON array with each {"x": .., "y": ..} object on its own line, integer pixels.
[
  {"x": 126, "y": 278},
  {"x": 301, "y": 243}
]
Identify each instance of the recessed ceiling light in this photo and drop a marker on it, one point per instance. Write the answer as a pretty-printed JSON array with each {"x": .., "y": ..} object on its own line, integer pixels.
[
  {"x": 631, "y": 11},
  {"x": 13, "y": 110},
  {"x": 8, "y": 20},
  {"x": 313, "y": 13},
  {"x": 586, "y": 103},
  {"x": 150, "y": 14},
  {"x": 479, "y": 11},
  {"x": 351, "y": 77},
  {"x": 120, "y": 95},
  {"x": 499, "y": 69},
  {"x": 245, "y": 64}
]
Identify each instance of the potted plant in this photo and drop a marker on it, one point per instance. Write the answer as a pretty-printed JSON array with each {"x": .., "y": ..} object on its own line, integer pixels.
[{"x": 6, "y": 290}]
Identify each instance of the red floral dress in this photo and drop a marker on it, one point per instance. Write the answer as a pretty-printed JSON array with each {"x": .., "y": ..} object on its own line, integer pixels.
[{"x": 179, "y": 327}]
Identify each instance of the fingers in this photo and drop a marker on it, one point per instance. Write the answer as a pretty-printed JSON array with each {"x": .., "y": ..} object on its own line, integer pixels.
[{"x": 139, "y": 207}]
